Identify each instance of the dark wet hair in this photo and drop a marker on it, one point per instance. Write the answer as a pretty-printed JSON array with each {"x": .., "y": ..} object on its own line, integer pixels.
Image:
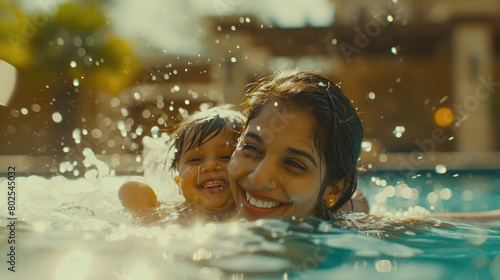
[
  {"x": 202, "y": 126},
  {"x": 337, "y": 134}
]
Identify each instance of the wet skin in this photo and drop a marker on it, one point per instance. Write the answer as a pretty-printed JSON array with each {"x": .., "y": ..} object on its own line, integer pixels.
[
  {"x": 203, "y": 175},
  {"x": 276, "y": 171}
]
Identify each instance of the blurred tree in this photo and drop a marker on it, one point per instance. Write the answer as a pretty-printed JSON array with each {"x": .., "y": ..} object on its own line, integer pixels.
[{"x": 64, "y": 54}]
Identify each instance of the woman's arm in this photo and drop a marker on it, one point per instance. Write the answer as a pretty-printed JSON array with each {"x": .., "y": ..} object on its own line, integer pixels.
[{"x": 472, "y": 216}]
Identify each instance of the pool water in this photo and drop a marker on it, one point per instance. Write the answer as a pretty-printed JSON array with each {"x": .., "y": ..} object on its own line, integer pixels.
[{"x": 77, "y": 229}]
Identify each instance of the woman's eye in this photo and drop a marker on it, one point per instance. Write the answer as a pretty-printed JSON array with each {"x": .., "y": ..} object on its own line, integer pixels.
[
  {"x": 250, "y": 148},
  {"x": 226, "y": 157},
  {"x": 296, "y": 164}
]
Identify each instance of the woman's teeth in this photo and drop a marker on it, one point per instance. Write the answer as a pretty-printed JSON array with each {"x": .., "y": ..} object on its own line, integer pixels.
[{"x": 261, "y": 203}]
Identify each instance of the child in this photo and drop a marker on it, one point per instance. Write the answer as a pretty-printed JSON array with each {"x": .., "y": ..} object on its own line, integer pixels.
[
  {"x": 299, "y": 150},
  {"x": 203, "y": 143}
]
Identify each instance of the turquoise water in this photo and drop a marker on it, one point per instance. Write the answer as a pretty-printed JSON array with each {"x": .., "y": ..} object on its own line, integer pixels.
[{"x": 76, "y": 229}]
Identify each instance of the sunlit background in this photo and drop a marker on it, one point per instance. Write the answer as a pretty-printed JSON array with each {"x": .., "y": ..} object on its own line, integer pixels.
[
  {"x": 88, "y": 87},
  {"x": 104, "y": 74}
]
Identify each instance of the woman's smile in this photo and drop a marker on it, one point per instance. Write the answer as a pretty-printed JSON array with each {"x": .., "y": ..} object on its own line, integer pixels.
[
  {"x": 259, "y": 205},
  {"x": 275, "y": 161}
]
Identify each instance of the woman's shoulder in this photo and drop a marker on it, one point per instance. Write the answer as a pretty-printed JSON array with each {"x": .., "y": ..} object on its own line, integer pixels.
[{"x": 357, "y": 203}]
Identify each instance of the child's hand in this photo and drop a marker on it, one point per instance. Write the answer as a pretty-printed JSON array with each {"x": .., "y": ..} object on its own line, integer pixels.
[{"x": 137, "y": 197}]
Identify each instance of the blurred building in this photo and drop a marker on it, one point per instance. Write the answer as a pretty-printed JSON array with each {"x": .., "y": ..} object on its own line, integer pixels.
[{"x": 423, "y": 75}]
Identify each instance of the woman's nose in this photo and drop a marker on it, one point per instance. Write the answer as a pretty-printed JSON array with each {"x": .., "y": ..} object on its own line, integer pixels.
[{"x": 264, "y": 176}]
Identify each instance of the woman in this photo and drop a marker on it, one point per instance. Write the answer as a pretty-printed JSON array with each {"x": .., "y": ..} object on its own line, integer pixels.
[{"x": 299, "y": 150}]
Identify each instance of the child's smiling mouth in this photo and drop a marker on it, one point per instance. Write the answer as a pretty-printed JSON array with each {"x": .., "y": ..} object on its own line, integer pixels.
[{"x": 214, "y": 186}]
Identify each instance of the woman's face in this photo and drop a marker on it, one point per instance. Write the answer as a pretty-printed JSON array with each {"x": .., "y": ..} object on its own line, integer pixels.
[{"x": 276, "y": 171}]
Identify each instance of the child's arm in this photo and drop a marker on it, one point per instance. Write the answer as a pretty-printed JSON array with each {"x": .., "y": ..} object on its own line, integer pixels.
[{"x": 137, "y": 197}]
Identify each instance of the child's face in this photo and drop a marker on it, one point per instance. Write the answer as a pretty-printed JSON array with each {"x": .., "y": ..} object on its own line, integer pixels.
[
  {"x": 203, "y": 175},
  {"x": 276, "y": 171}
]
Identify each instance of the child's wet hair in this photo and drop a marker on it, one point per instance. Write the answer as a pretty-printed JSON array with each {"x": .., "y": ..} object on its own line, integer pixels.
[
  {"x": 338, "y": 132},
  {"x": 202, "y": 126}
]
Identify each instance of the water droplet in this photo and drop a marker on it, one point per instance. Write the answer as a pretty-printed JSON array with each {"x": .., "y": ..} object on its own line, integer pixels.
[
  {"x": 233, "y": 59},
  {"x": 334, "y": 41},
  {"x": 398, "y": 131},
  {"x": 383, "y": 266},
  {"x": 77, "y": 135},
  {"x": 24, "y": 111},
  {"x": 154, "y": 131},
  {"x": 111, "y": 143},
  {"x": 440, "y": 169},
  {"x": 60, "y": 41},
  {"x": 445, "y": 193},
  {"x": 96, "y": 133},
  {"x": 14, "y": 113},
  {"x": 57, "y": 117},
  {"x": 73, "y": 64},
  {"x": 36, "y": 108},
  {"x": 451, "y": 138},
  {"x": 186, "y": 101},
  {"x": 390, "y": 18},
  {"x": 394, "y": 50},
  {"x": 219, "y": 28},
  {"x": 87, "y": 60},
  {"x": 77, "y": 41},
  {"x": 137, "y": 95},
  {"x": 366, "y": 146},
  {"x": 76, "y": 82},
  {"x": 176, "y": 88},
  {"x": 443, "y": 99},
  {"x": 124, "y": 112},
  {"x": 233, "y": 28},
  {"x": 81, "y": 52},
  {"x": 160, "y": 104},
  {"x": 382, "y": 158},
  {"x": 432, "y": 197},
  {"x": 247, "y": 20},
  {"x": 146, "y": 114},
  {"x": 371, "y": 95},
  {"x": 89, "y": 41},
  {"x": 467, "y": 195},
  {"x": 115, "y": 102},
  {"x": 275, "y": 104}
]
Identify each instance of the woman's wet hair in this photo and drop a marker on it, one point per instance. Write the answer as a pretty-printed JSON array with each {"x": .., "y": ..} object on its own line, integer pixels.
[
  {"x": 202, "y": 126},
  {"x": 338, "y": 132}
]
